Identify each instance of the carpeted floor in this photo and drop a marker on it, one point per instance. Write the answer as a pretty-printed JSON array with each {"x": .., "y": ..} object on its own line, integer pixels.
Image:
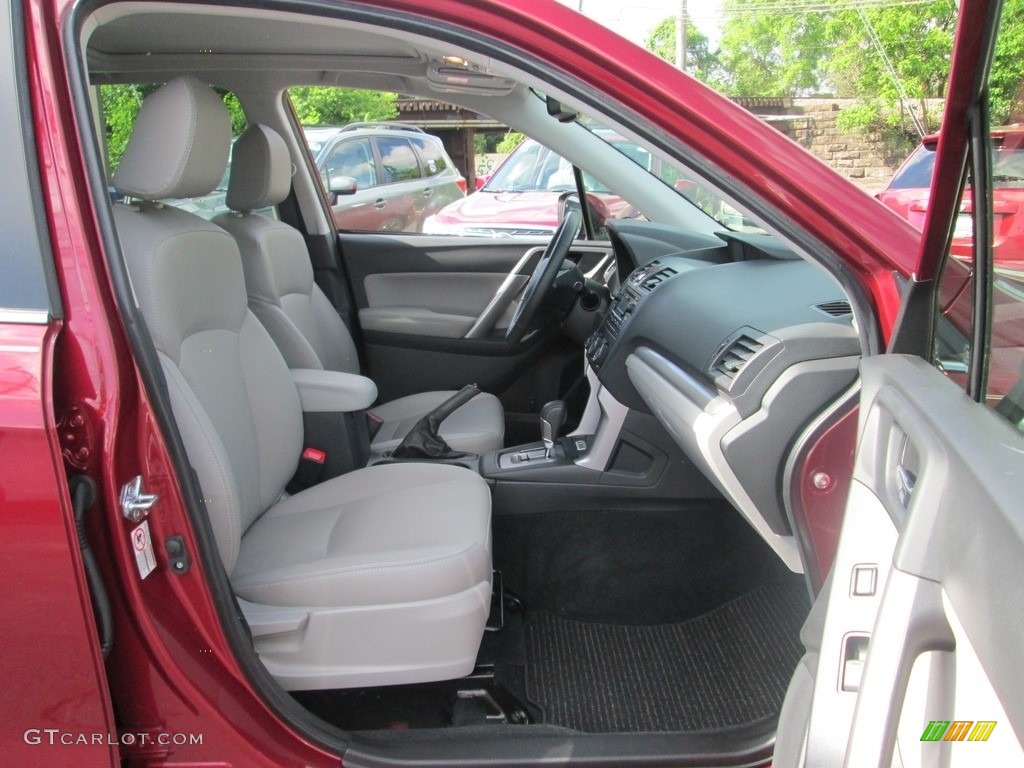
[{"x": 724, "y": 668}]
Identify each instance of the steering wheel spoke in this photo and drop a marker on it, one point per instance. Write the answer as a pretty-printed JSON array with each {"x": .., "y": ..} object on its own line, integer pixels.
[{"x": 543, "y": 277}]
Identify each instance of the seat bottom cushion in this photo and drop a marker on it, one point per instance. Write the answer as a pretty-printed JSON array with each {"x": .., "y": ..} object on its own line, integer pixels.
[
  {"x": 477, "y": 427},
  {"x": 385, "y": 535}
]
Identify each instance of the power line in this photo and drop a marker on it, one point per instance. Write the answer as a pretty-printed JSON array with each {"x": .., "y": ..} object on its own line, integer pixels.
[{"x": 904, "y": 99}]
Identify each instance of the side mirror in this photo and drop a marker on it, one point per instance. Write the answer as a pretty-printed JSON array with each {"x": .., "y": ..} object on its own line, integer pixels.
[
  {"x": 568, "y": 201},
  {"x": 341, "y": 185}
]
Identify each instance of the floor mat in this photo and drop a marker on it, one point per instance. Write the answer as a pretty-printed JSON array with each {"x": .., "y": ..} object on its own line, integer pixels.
[{"x": 728, "y": 667}]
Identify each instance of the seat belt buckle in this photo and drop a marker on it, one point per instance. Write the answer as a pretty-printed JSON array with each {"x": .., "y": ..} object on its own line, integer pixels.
[{"x": 309, "y": 471}]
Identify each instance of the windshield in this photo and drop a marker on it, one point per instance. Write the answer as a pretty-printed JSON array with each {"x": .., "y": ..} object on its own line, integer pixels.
[
  {"x": 916, "y": 173},
  {"x": 1007, "y": 165},
  {"x": 534, "y": 168},
  {"x": 684, "y": 183}
]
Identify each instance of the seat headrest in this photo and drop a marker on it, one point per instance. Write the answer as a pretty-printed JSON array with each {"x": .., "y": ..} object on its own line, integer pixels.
[
  {"x": 179, "y": 146},
  {"x": 261, "y": 170}
]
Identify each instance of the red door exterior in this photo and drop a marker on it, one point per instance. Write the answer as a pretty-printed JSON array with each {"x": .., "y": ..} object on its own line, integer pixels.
[{"x": 172, "y": 670}]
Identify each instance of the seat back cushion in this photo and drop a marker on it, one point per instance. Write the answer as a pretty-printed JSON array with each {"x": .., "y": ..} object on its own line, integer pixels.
[
  {"x": 233, "y": 398},
  {"x": 278, "y": 272},
  {"x": 282, "y": 294}
]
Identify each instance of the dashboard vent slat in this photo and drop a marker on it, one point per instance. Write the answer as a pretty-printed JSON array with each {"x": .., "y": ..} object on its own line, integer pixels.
[
  {"x": 736, "y": 355},
  {"x": 652, "y": 281},
  {"x": 834, "y": 308}
]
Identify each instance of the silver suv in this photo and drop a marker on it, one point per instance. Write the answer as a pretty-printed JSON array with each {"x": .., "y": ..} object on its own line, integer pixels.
[{"x": 384, "y": 176}]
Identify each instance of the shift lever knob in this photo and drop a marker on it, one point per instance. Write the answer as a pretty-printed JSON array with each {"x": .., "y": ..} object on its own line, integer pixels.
[{"x": 552, "y": 417}]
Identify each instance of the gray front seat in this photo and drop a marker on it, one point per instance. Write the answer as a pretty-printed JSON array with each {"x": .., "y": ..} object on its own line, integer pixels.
[
  {"x": 381, "y": 576},
  {"x": 299, "y": 317}
]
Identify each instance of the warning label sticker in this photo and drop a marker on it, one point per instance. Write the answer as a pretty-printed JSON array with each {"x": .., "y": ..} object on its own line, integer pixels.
[{"x": 142, "y": 544}]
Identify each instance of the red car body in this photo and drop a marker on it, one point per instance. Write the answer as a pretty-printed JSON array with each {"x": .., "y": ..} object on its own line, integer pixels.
[
  {"x": 71, "y": 400},
  {"x": 908, "y": 192}
]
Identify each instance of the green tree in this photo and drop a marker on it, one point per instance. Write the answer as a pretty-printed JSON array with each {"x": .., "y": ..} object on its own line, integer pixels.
[
  {"x": 1006, "y": 82},
  {"x": 771, "y": 49},
  {"x": 120, "y": 106},
  {"x": 915, "y": 40},
  {"x": 238, "y": 121},
  {"x": 317, "y": 105},
  {"x": 701, "y": 62},
  {"x": 510, "y": 141}
]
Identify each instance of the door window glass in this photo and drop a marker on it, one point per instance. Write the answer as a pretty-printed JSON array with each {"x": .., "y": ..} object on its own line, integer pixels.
[
  {"x": 433, "y": 158},
  {"x": 397, "y": 160},
  {"x": 1002, "y": 386},
  {"x": 352, "y": 158}
]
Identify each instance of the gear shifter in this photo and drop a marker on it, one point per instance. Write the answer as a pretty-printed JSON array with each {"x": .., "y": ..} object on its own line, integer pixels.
[{"x": 552, "y": 417}]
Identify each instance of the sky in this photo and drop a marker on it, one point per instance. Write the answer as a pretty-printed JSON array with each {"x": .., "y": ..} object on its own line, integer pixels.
[{"x": 635, "y": 20}]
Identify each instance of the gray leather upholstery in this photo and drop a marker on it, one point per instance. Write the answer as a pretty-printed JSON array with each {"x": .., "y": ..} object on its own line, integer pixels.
[
  {"x": 462, "y": 430},
  {"x": 168, "y": 159},
  {"x": 259, "y": 185},
  {"x": 323, "y": 391},
  {"x": 429, "y": 548},
  {"x": 330, "y": 576},
  {"x": 301, "y": 320}
]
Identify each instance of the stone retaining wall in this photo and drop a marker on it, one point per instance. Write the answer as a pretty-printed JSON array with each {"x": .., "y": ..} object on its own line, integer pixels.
[{"x": 868, "y": 159}]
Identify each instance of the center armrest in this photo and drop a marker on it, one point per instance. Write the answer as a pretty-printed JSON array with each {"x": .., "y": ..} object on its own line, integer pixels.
[{"x": 333, "y": 392}]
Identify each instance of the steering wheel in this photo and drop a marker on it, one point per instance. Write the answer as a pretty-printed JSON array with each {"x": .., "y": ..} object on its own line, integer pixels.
[{"x": 544, "y": 275}]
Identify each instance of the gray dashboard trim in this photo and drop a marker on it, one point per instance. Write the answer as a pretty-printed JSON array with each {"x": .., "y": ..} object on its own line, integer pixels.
[
  {"x": 699, "y": 431},
  {"x": 699, "y": 393}
]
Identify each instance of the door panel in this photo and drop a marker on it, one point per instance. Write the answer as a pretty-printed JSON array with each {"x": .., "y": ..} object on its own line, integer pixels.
[
  {"x": 435, "y": 303},
  {"x": 922, "y": 623},
  {"x": 386, "y": 254},
  {"x": 436, "y": 306}
]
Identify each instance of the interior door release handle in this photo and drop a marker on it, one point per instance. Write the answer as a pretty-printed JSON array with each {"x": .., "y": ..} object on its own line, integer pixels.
[{"x": 907, "y": 480}]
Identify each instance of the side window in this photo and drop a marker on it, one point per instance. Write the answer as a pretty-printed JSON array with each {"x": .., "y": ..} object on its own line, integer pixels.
[
  {"x": 1004, "y": 388},
  {"x": 434, "y": 161},
  {"x": 352, "y": 158},
  {"x": 1000, "y": 332},
  {"x": 397, "y": 159}
]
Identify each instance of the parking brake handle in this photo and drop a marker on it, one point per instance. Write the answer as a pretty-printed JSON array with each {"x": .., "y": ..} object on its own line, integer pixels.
[{"x": 423, "y": 440}]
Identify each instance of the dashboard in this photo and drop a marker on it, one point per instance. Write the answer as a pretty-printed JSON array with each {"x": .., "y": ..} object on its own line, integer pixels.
[{"x": 735, "y": 344}]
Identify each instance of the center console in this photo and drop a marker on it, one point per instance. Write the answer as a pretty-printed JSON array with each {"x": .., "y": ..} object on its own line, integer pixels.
[
  {"x": 592, "y": 448},
  {"x": 634, "y": 290}
]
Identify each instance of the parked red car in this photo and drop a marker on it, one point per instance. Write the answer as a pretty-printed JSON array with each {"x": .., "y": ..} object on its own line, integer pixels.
[
  {"x": 241, "y": 528},
  {"x": 908, "y": 192}
]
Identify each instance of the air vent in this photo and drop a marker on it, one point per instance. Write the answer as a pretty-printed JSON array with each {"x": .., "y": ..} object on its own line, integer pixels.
[
  {"x": 834, "y": 308},
  {"x": 653, "y": 281},
  {"x": 735, "y": 356}
]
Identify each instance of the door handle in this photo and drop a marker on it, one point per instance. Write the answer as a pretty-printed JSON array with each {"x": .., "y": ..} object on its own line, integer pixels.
[
  {"x": 906, "y": 481},
  {"x": 380, "y": 204},
  {"x": 428, "y": 192}
]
